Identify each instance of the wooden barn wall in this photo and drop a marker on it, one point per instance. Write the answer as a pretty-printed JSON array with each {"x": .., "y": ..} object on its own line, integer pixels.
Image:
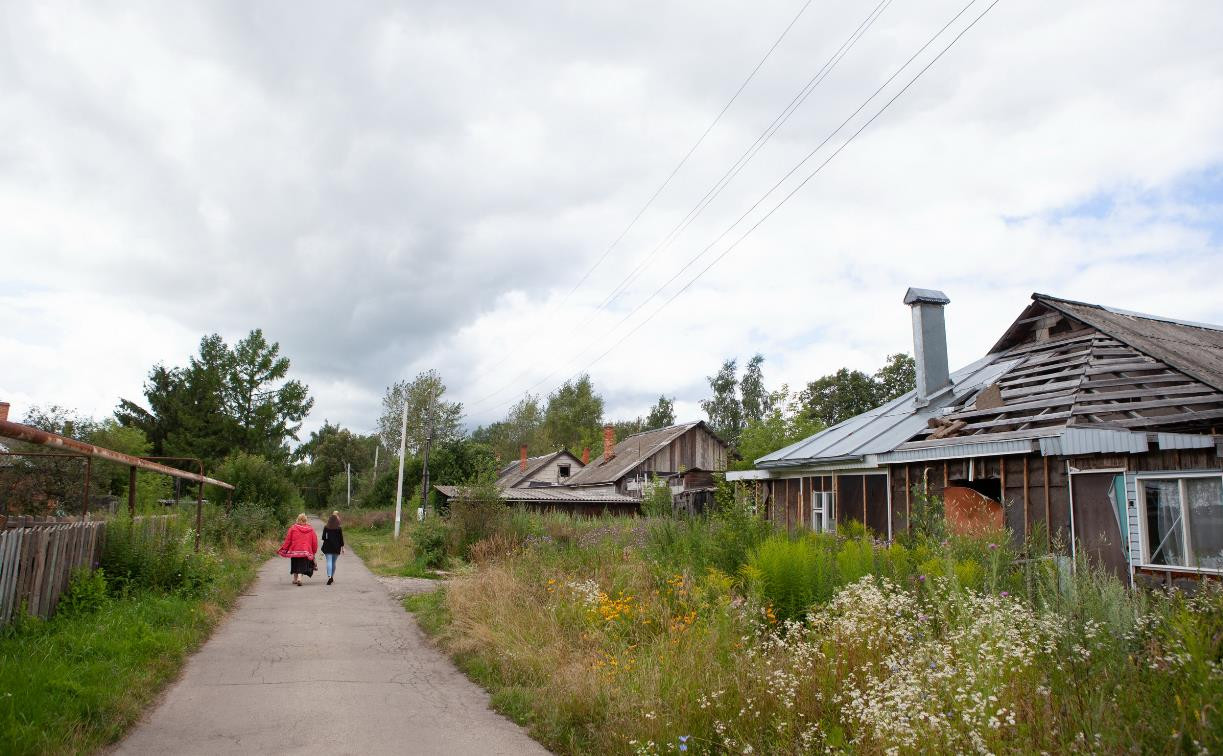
[
  {"x": 788, "y": 501},
  {"x": 695, "y": 448},
  {"x": 1034, "y": 489}
]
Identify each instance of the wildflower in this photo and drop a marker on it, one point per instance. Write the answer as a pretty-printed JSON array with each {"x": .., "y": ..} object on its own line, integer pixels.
[
  {"x": 683, "y": 742},
  {"x": 993, "y": 546},
  {"x": 1004, "y": 594}
]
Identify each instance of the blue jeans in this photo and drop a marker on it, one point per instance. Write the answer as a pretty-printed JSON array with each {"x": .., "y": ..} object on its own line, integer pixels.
[{"x": 331, "y": 564}]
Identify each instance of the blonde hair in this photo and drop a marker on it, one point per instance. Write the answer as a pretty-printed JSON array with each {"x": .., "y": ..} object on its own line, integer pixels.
[{"x": 301, "y": 518}]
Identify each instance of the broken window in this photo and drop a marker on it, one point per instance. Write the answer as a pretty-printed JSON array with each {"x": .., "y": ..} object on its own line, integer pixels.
[
  {"x": 1183, "y": 518},
  {"x": 564, "y": 471}
]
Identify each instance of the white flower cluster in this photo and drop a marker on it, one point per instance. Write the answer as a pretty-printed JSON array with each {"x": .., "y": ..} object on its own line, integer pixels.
[{"x": 587, "y": 591}]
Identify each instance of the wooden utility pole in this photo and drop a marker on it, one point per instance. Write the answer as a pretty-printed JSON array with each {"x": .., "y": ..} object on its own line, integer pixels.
[
  {"x": 424, "y": 483},
  {"x": 403, "y": 439}
]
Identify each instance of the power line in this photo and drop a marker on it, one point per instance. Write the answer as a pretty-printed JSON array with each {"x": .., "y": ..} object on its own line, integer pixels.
[
  {"x": 667, "y": 181},
  {"x": 802, "y": 183},
  {"x": 727, "y": 177},
  {"x": 792, "y": 192}
]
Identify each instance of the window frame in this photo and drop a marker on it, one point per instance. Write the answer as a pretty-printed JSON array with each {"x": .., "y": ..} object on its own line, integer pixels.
[
  {"x": 564, "y": 471},
  {"x": 1180, "y": 476},
  {"x": 823, "y": 511}
]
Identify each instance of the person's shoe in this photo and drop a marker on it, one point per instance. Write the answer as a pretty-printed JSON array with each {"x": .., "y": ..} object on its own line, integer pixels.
[{"x": 330, "y": 580}]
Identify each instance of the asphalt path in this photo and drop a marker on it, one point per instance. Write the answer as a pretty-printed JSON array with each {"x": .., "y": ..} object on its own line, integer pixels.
[{"x": 322, "y": 669}]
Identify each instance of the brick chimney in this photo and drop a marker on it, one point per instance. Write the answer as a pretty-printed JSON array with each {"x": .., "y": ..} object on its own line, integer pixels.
[
  {"x": 522, "y": 461},
  {"x": 609, "y": 442},
  {"x": 586, "y": 455},
  {"x": 4, "y": 412}
]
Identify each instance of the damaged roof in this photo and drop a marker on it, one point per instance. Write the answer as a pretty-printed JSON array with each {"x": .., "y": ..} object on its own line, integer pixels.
[
  {"x": 552, "y": 494},
  {"x": 1066, "y": 377}
]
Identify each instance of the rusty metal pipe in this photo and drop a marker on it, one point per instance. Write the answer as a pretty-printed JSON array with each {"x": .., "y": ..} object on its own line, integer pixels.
[{"x": 20, "y": 432}]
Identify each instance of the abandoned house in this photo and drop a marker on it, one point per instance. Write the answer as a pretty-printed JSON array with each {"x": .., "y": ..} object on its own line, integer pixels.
[
  {"x": 1082, "y": 420},
  {"x": 684, "y": 457}
]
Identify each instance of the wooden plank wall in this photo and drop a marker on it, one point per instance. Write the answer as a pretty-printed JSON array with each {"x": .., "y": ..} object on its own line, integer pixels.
[
  {"x": 1029, "y": 498},
  {"x": 36, "y": 563}
]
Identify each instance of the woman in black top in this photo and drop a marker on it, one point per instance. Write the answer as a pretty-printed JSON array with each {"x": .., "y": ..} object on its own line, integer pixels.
[{"x": 333, "y": 544}]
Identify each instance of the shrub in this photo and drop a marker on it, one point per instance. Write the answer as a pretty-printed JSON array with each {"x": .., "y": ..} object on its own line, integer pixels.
[
  {"x": 793, "y": 574},
  {"x": 657, "y": 501},
  {"x": 138, "y": 559},
  {"x": 86, "y": 593},
  {"x": 259, "y": 482},
  {"x": 429, "y": 537},
  {"x": 475, "y": 514},
  {"x": 244, "y": 525}
]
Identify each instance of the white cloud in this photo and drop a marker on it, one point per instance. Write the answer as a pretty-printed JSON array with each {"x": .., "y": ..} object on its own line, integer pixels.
[{"x": 385, "y": 189}]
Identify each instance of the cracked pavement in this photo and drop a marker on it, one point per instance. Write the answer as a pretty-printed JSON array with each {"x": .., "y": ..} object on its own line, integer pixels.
[{"x": 340, "y": 668}]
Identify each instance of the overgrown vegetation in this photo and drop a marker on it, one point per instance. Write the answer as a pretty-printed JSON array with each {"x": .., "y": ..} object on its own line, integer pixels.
[
  {"x": 717, "y": 634},
  {"x": 75, "y": 682}
]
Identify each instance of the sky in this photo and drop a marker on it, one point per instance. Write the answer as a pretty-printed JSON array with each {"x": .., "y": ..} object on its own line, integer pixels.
[{"x": 386, "y": 188}]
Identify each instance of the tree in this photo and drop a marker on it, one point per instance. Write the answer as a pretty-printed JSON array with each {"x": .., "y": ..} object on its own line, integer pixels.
[
  {"x": 724, "y": 408},
  {"x": 897, "y": 377},
  {"x": 428, "y": 413},
  {"x": 574, "y": 415},
  {"x": 838, "y": 397},
  {"x": 224, "y": 400},
  {"x": 662, "y": 414},
  {"x": 267, "y": 409},
  {"x": 326, "y": 456},
  {"x": 756, "y": 399},
  {"x": 784, "y": 424},
  {"x": 522, "y": 425}
]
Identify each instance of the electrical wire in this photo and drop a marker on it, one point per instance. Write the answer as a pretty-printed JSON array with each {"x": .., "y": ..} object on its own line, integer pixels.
[{"x": 784, "y": 178}]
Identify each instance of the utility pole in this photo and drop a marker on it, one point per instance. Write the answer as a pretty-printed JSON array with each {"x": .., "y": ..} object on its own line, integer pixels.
[
  {"x": 374, "y": 477},
  {"x": 403, "y": 439},
  {"x": 424, "y": 483},
  {"x": 348, "y": 469}
]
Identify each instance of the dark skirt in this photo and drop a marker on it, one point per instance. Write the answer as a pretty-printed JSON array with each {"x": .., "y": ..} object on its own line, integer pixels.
[{"x": 301, "y": 566}]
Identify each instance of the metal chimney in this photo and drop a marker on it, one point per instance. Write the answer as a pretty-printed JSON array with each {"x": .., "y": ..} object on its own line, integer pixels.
[{"x": 929, "y": 342}]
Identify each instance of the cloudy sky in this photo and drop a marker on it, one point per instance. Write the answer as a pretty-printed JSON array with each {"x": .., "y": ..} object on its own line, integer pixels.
[{"x": 385, "y": 188}]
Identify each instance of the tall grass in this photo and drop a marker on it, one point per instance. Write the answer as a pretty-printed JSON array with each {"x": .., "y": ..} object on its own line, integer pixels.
[{"x": 627, "y": 636}]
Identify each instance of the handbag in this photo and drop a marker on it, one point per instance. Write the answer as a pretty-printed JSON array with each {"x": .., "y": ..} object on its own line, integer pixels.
[{"x": 313, "y": 567}]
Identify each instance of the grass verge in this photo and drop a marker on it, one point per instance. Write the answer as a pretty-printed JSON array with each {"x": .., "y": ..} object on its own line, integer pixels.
[
  {"x": 76, "y": 683},
  {"x": 383, "y": 554}
]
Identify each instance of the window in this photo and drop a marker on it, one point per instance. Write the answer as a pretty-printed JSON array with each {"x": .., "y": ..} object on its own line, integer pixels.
[
  {"x": 564, "y": 471},
  {"x": 1183, "y": 521},
  {"x": 821, "y": 511}
]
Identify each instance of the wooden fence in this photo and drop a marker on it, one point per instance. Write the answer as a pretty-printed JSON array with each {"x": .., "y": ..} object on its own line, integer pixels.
[{"x": 36, "y": 563}]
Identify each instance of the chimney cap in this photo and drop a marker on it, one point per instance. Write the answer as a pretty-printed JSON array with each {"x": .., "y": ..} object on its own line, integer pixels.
[{"x": 925, "y": 296}]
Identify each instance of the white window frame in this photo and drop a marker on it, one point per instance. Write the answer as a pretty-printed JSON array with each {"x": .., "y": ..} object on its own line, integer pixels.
[
  {"x": 821, "y": 511},
  {"x": 1180, "y": 477}
]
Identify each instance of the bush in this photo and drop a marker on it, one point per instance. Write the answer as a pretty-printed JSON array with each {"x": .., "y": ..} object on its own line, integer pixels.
[
  {"x": 136, "y": 558},
  {"x": 657, "y": 501},
  {"x": 86, "y": 593},
  {"x": 475, "y": 514},
  {"x": 245, "y": 524},
  {"x": 429, "y": 537},
  {"x": 792, "y": 575},
  {"x": 259, "y": 482}
]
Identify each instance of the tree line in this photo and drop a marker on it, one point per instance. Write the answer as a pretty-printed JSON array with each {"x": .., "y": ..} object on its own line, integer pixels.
[{"x": 236, "y": 408}]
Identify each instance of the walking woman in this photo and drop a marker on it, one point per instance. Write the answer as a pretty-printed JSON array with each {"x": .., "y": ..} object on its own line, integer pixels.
[
  {"x": 333, "y": 544},
  {"x": 301, "y": 543}
]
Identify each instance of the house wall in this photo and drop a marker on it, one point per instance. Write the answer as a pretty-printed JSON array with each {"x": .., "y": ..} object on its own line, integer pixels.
[
  {"x": 550, "y": 473},
  {"x": 1036, "y": 489},
  {"x": 855, "y": 496},
  {"x": 1033, "y": 490},
  {"x": 696, "y": 448}
]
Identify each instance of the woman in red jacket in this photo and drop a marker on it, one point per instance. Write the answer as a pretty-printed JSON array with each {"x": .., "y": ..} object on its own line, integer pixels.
[{"x": 301, "y": 543}]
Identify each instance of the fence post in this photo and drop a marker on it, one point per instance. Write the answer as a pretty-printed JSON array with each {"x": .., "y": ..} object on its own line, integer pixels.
[{"x": 131, "y": 491}]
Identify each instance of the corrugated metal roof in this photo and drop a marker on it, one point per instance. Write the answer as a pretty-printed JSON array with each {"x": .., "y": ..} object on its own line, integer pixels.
[
  {"x": 966, "y": 448},
  {"x": 884, "y": 428},
  {"x": 556, "y": 494},
  {"x": 1074, "y": 441},
  {"x": 1184, "y": 440}
]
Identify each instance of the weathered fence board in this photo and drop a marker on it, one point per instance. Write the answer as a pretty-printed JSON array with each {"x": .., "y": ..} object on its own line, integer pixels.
[{"x": 36, "y": 564}]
